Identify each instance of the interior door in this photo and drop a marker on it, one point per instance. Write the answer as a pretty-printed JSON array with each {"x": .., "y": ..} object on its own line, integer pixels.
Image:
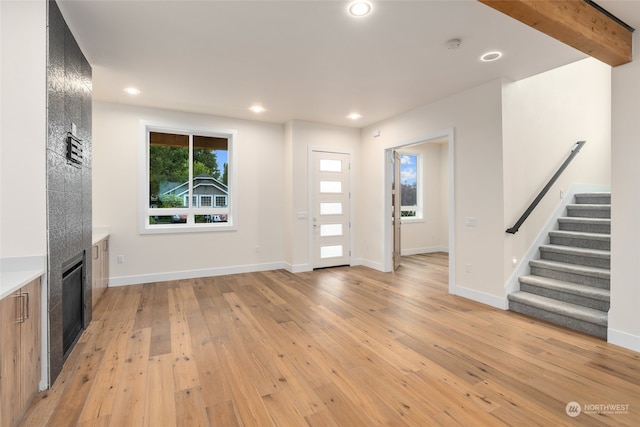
[
  {"x": 396, "y": 208},
  {"x": 331, "y": 209}
]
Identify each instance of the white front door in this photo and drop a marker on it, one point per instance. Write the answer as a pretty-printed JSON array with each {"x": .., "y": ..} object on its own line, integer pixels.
[{"x": 331, "y": 210}]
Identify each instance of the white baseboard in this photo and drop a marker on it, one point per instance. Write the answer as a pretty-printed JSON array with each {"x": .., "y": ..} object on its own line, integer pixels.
[
  {"x": 623, "y": 339},
  {"x": 367, "y": 263},
  {"x": 299, "y": 268},
  {"x": 484, "y": 298},
  {"x": 192, "y": 274},
  {"x": 429, "y": 250}
]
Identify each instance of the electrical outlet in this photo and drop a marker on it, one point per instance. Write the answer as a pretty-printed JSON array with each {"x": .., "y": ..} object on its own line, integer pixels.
[{"x": 120, "y": 259}]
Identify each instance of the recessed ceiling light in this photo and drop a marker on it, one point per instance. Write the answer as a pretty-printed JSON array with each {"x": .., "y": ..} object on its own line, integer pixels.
[
  {"x": 132, "y": 91},
  {"x": 354, "y": 116},
  {"x": 257, "y": 109},
  {"x": 360, "y": 8},
  {"x": 491, "y": 56}
]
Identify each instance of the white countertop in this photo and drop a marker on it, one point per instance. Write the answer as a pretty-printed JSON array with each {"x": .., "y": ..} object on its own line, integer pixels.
[
  {"x": 99, "y": 233},
  {"x": 17, "y": 272}
]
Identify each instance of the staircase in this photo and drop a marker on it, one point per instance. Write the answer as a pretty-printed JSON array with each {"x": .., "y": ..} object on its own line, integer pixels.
[{"x": 569, "y": 284}]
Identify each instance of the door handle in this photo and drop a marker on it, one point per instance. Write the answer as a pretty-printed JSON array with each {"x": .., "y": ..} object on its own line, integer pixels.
[{"x": 22, "y": 307}]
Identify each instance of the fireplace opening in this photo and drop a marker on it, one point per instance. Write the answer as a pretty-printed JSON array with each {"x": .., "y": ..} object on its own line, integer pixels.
[{"x": 73, "y": 277}]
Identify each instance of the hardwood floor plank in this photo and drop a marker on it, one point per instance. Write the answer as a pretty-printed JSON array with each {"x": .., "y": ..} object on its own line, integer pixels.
[
  {"x": 223, "y": 414},
  {"x": 160, "y": 402},
  {"x": 185, "y": 369},
  {"x": 130, "y": 395},
  {"x": 190, "y": 408},
  {"x": 346, "y": 346},
  {"x": 101, "y": 398}
]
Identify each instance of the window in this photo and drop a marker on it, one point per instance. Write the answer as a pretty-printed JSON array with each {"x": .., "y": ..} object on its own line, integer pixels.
[
  {"x": 188, "y": 180},
  {"x": 221, "y": 201},
  {"x": 411, "y": 186}
]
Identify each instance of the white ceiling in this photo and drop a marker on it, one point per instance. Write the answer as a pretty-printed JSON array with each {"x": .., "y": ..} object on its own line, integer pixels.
[{"x": 305, "y": 59}]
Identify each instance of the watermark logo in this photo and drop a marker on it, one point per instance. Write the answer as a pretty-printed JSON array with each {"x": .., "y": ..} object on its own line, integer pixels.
[{"x": 573, "y": 409}]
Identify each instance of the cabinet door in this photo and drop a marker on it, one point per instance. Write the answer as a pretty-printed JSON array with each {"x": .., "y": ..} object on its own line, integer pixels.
[
  {"x": 30, "y": 336},
  {"x": 9, "y": 369}
]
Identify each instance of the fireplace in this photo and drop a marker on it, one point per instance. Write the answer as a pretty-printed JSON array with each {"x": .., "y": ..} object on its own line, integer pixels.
[{"x": 73, "y": 277}]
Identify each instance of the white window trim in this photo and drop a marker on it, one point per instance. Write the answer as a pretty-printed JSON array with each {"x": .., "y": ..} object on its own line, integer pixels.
[{"x": 144, "y": 211}]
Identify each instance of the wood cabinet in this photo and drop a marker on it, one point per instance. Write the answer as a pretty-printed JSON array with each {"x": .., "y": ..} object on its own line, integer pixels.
[
  {"x": 20, "y": 364},
  {"x": 100, "y": 269}
]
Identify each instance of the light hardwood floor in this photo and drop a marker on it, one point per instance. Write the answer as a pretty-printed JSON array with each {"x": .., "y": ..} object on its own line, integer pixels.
[{"x": 345, "y": 346}]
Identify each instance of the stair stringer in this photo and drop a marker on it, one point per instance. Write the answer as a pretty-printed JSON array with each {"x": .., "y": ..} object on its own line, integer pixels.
[{"x": 523, "y": 268}]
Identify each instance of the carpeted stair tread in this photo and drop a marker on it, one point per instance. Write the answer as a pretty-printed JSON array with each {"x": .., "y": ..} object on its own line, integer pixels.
[
  {"x": 571, "y": 268},
  {"x": 580, "y": 239},
  {"x": 603, "y": 198},
  {"x": 572, "y": 250},
  {"x": 580, "y": 235},
  {"x": 567, "y": 287},
  {"x": 585, "y": 210},
  {"x": 584, "y": 220},
  {"x": 589, "y": 206},
  {"x": 574, "y": 311}
]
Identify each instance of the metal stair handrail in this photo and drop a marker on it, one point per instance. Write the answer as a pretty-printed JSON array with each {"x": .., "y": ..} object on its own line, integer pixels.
[{"x": 574, "y": 151}]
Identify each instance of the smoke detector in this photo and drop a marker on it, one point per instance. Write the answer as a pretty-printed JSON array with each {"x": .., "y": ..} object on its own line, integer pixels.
[{"x": 453, "y": 44}]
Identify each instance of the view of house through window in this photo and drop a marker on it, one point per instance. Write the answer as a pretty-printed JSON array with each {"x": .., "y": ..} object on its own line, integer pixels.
[
  {"x": 410, "y": 194},
  {"x": 188, "y": 179}
]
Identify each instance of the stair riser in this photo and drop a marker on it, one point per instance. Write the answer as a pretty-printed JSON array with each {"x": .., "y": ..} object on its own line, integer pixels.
[
  {"x": 592, "y": 199},
  {"x": 566, "y": 297},
  {"x": 586, "y": 243},
  {"x": 575, "y": 259},
  {"x": 559, "y": 319},
  {"x": 588, "y": 212},
  {"x": 596, "y": 282},
  {"x": 585, "y": 228}
]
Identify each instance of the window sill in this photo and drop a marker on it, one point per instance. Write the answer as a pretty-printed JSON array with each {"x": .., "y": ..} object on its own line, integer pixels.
[{"x": 185, "y": 228}]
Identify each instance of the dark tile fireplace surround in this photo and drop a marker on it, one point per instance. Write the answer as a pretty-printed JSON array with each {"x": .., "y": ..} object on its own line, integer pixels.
[{"x": 68, "y": 189}]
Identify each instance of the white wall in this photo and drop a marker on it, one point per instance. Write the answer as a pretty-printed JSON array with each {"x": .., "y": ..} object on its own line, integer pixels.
[
  {"x": 429, "y": 234},
  {"x": 304, "y": 137},
  {"x": 624, "y": 316},
  {"x": 258, "y": 242},
  {"x": 23, "y": 130},
  {"x": 476, "y": 116},
  {"x": 544, "y": 116}
]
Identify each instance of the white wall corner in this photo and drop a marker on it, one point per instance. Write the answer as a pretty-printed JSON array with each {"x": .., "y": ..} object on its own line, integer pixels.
[
  {"x": 368, "y": 263},
  {"x": 299, "y": 268}
]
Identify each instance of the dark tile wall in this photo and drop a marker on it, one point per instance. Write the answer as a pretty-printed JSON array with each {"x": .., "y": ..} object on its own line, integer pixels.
[{"x": 68, "y": 186}]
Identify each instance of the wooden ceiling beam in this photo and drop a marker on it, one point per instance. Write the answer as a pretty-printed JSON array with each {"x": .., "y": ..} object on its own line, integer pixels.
[{"x": 575, "y": 23}]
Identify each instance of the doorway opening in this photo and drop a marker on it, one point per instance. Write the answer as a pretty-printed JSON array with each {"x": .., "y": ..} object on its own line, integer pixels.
[{"x": 428, "y": 224}]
